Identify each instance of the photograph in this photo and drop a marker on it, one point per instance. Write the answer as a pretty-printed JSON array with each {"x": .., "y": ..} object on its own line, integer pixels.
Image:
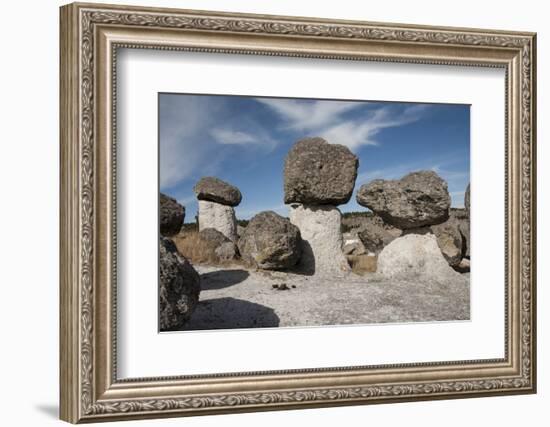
[
  {"x": 291, "y": 212},
  {"x": 263, "y": 210}
]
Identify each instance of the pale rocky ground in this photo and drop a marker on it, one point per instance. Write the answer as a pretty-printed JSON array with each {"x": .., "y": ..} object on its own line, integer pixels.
[{"x": 233, "y": 297}]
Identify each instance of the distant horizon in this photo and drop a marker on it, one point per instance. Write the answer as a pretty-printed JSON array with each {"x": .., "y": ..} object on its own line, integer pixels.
[{"x": 244, "y": 140}]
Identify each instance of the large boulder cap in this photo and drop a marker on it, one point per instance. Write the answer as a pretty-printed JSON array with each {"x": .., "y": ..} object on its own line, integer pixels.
[
  {"x": 416, "y": 200},
  {"x": 319, "y": 173},
  {"x": 215, "y": 190}
]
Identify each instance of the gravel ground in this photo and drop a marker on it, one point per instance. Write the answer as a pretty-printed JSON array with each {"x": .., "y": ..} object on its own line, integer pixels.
[{"x": 237, "y": 298}]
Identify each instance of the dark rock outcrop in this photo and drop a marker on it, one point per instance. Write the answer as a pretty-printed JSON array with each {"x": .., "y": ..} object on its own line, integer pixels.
[
  {"x": 172, "y": 215},
  {"x": 179, "y": 287}
]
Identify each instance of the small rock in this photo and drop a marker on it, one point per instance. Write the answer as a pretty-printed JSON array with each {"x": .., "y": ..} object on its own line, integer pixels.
[
  {"x": 416, "y": 200},
  {"x": 353, "y": 247},
  {"x": 319, "y": 173},
  {"x": 179, "y": 287},
  {"x": 215, "y": 190},
  {"x": 464, "y": 266},
  {"x": 172, "y": 215}
]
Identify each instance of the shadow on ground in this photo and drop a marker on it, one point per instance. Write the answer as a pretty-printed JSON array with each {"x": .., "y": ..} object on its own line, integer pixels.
[
  {"x": 222, "y": 279},
  {"x": 231, "y": 313}
]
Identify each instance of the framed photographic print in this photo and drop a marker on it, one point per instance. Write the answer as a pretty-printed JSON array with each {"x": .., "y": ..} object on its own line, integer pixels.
[{"x": 266, "y": 212}]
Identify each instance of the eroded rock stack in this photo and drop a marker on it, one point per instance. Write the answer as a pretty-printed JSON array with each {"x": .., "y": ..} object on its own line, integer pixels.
[
  {"x": 318, "y": 176},
  {"x": 270, "y": 242},
  {"x": 179, "y": 287},
  {"x": 217, "y": 200},
  {"x": 172, "y": 215},
  {"x": 419, "y": 204}
]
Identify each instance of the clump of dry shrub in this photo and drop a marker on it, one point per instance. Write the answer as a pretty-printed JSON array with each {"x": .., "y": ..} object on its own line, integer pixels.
[{"x": 361, "y": 264}]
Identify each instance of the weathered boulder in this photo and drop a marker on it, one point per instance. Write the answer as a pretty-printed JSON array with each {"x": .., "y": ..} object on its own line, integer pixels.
[
  {"x": 219, "y": 217},
  {"x": 461, "y": 216},
  {"x": 217, "y": 247},
  {"x": 240, "y": 230},
  {"x": 172, "y": 215},
  {"x": 215, "y": 190},
  {"x": 417, "y": 199},
  {"x": 415, "y": 255},
  {"x": 321, "y": 238},
  {"x": 464, "y": 228},
  {"x": 449, "y": 240},
  {"x": 179, "y": 287},
  {"x": 270, "y": 242},
  {"x": 319, "y": 173},
  {"x": 375, "y": 234},
  {"x": 467, "y": 199}
]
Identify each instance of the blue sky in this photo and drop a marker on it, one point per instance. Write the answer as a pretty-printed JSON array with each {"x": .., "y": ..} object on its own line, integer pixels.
[{"x": 244, "y": 141}]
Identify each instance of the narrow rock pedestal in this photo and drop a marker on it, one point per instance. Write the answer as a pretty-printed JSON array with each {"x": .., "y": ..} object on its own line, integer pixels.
[
  {"x": 219, "y": 217},
  {"x": 321, "y": 234}
]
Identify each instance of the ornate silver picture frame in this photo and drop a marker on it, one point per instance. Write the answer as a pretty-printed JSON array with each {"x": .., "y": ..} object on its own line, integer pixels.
[{"x": 91, "y": 36}]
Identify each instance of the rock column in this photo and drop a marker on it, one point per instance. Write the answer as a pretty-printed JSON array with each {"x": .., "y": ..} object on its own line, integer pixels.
[
  {"x": 318, "y": 177},
  {"x": 419, "y": 204},
  {"x": 217, "y": 200}
]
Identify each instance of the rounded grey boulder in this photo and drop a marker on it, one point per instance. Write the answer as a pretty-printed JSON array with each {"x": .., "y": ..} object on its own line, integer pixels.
[
  {"x": 270, "y": 242},
  {"x": 172, "y": 215},
  {"x": 215, "y": 190},
  {"x": 415, "y": 255},
  {"x": 179, "y": 287},
  {"x": 320, "y": 173},
  {"x": 416, "y": 200}
]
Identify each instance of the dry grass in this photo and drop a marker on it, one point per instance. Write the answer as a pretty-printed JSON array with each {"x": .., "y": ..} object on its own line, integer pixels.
[{"x": 361, "y": 264}]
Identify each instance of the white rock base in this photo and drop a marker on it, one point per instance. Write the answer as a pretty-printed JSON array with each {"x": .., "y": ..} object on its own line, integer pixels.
[
  {"x": 415, "y": 255},
  {"x": 219, "y": 217},
  {"x": 322, "y": 238}
]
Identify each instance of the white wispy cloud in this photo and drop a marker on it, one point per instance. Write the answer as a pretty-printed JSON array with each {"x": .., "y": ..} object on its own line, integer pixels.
[
  {"x": 183, "y": 121},
  {"x": 331, "y": 120},
  {"x": 307, "y": 115},
  {"x": 233, "y": 137}
]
